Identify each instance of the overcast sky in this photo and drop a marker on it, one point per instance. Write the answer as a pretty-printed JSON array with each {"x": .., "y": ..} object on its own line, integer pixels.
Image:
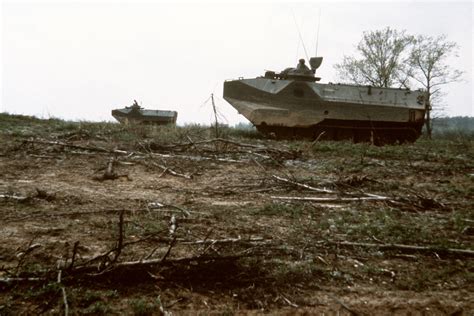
[{"x": 79, "y": 60}]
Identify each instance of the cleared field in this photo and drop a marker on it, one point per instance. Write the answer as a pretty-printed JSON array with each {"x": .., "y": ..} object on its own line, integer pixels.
[{"x": 104, "y": 219}]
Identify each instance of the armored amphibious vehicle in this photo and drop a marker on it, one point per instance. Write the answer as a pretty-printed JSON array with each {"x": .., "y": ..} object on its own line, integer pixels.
[
  {"x": 292, "y": 104},
  {"x": 135, "y": 114}
]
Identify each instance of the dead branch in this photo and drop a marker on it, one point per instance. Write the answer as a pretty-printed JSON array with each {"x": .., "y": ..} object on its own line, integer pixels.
[
  {"x": 74, "y": 253},
  {"x": 13, "y": 197},
  {"x": 159, "y": 261},
  {"x": 258, "y": 155},
  {"x": 163, "y": 312},
  {"x": 257, "y": 148},
  {"x": 171, "y": 171},
  {"x": 11, "y": 280},
  {"x": 152, "y": 252},
  {"x": 324, "y": 190},
  {"x": 109, "y": 173},
  {"x": 318, "y": 138},
  {"x": 173, "y": 225},
  {"x": 198, "y": 158},
  {"x": 378, "y": 196},
  {"x": 303, "y": 185},
  {"x": 23, "y": 254},
  {"x": 68, "y": 214},
  {"x": 151, "y": 206},
  {"x": 158, "y": 205},
  {"x": 208, "y": 234},
  {"x": 105, "y": 255},
  {"x": 350, "y": 310},
  {"x": 330, "y": 199},
  {"x": 66, "y": 306},
  {"x": 113, "y": 265},
  {"x": 120, "y": 237},
  {"x": 259, "y": 164},
  {"x": 63, "y": 291},
  {"x": 86, "y": 148},
  {"x": 215, "y": 116},
  {"x": 410, "y": 248},
  {"x": 172, "y": 243},
  {"x": 224, "y": 241},
  {"x": 42, "y": 194},
  {"x": 222, "y": 140},
  {"x": 180, "y": 260},
  {"x": 287, "y": 301}
]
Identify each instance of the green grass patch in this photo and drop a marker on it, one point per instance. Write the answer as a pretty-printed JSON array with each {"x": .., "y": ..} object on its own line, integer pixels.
[
  {"x": 143, "y": 307},
  {"x": 281, "y": 209}
]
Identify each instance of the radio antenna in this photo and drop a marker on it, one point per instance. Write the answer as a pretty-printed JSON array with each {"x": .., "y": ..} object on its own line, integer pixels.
[
  {"x": 317, "y": 33},
  {"x": 299, "y": 33}
]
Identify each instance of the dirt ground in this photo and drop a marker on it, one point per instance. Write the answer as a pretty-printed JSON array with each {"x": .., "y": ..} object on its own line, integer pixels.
[{"x": 96, "y": 223}]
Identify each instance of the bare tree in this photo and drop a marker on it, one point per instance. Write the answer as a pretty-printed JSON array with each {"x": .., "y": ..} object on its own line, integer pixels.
[
  {"x": 428, "y": 67},
  {"x": 382, "y": 61}
]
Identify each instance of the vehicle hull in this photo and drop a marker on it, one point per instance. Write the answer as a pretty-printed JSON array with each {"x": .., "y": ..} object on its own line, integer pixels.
[
  {"x": 303, "y": 109},
  {"x": 133, "y": 116}
]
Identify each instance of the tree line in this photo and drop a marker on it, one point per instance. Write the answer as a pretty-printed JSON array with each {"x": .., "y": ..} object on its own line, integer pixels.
[
  {"x": 393, "y": 58},
  {"x": 457, "y": 123}
]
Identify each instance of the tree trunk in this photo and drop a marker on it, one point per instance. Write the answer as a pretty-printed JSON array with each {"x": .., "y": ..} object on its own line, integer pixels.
[{"x": 429, "y": 127}]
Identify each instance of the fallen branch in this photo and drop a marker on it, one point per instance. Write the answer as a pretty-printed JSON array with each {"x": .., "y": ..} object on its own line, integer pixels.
[
  {"x": 199, "y": 158},
  {"x": 369, "y": 195},
  {"x": 105, "y": 256},
  {"x": 66, "y": 306},
  {"x": 172, "y": 225},
  {"x": 226, "y": 141},
  {"x": 13, "y": 197},
  {"x": 120, "y": 237},
  {"x": 350, "y": 310},
  {"x": 172, "y": 243},
  {"x": 157, "y": 261},
  {"x": 223, "y": 241},
  {"x": 63, "y": 291},
  {"x": 303, "y": 185},
  {"x": 109, "y": 173},
  {"x": 287, "y": 301},
  {"x": 88, "y": 148},
  {"x": 10, "y": 280},
  {"x": 23, "y": 254},
  {"x": 255, "y": 150},
  {"x": 330, "y": 199},
  {"x": 66, "y": 214},
  {"x": 163, "y": 312},
  {"x": 464, "y": 252},
  {"x": 74, "y": 253},
  {"x": 171, "y": 171},
  {"x": 158, "y": 205},
  {"x": 120, "y": 244}
]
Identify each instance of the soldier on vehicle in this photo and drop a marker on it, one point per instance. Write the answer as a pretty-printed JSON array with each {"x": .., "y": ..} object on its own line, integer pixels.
[{"x": 302, "y": 68}]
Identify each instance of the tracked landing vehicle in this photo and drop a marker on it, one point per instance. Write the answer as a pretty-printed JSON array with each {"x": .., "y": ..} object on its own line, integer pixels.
[
  {"x": 292, "y": 104},
  {"x": 135, "y": 114}
]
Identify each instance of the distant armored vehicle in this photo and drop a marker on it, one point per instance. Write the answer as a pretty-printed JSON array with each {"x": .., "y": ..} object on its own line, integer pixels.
[
  {"x": 291, "y": 104},
  {"x": 135, "y": 114}
]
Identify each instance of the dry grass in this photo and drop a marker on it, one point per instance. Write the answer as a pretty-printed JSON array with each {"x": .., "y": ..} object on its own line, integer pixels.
[{"x": 257, "y": 254}]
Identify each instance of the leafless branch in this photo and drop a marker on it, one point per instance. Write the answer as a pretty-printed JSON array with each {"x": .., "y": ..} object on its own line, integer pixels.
[
  {"x": 330, "y": 199},
  {"x": 120, "y": 237},
  {"x": 303, "y": 185},
  {"x": 454, "y": 251}
]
